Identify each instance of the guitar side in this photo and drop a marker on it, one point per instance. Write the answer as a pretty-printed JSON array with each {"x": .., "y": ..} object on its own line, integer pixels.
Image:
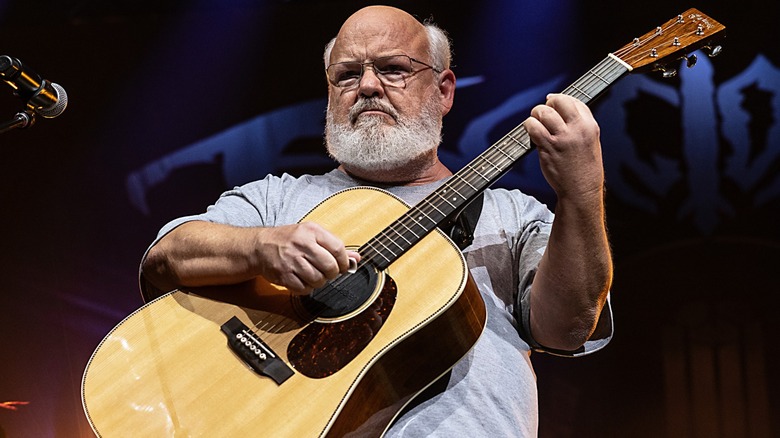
[{"x": 166, "y": 369}]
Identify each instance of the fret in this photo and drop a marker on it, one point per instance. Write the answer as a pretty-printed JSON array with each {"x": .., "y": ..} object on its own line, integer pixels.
[
  {"x": 501, "y": 159},
  {"x": 469, "y": 189},
  {"x": 493, "y": 165},
  {"x": 409, "y": 242},
  {"x": 505, "y": 154},
  {"x": 455, "y": 189},
  {"x": 431, "y": 204},
  {"x": 443, "y": 198},
  {"x": 409, "y": 229},
  {"x": 471, "y": 185},
  {"x": 575, "y": 87},
  {"x": 415, "y": 224},
  {"x": 369, "y": 255},
  {"x": 379, "y": 241},
  {"x": 598, "y": 76},
  {"x": 410, "y": 217},
  {"x": 478, "y": 173},
  {"x": 420, "y": 218},
  {"x": 394, "y": 241},
  {"x": 519, "y": 142},
  {"x": 597, "y": 79}
]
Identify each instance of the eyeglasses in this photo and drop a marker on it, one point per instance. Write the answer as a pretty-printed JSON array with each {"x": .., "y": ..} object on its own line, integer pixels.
[{"x": 392, "y": 71}]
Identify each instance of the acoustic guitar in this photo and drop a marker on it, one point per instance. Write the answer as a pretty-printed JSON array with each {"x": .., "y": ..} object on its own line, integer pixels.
[{"x": 255, "y": 360}]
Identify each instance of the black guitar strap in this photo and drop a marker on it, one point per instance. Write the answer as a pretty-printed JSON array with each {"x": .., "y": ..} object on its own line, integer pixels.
[{"x": 461, "y": 227}]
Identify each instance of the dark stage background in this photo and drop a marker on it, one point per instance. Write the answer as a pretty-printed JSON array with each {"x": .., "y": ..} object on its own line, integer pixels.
[{"x": 173, "y": 102}]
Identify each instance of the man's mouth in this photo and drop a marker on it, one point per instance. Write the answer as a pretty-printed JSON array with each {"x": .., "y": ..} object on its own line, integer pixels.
[
  {"x": 370, "y": 109},
  {"x": 374, "y": 112}
]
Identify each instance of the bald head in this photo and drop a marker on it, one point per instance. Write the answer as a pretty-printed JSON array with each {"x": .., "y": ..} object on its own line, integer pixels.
[
  {"x": 378, "y": 30},
  {"x": 381, "y": 16},
  {"x": 385, "y": 22}
]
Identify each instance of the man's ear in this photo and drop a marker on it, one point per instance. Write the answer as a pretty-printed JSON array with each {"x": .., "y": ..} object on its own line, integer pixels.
[{"x": 447, "y": 90}]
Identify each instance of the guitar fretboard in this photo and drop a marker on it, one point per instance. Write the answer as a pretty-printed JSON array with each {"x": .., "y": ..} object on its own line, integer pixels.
[{"x": 442, "y": 204}]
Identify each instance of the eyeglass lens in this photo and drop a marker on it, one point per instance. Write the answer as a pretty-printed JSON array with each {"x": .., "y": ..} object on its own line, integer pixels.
[{"x": 391, "y": 70}]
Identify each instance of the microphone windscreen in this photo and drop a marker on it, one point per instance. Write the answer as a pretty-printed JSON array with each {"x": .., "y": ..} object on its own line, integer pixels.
[{"x": 59, "y": 107}]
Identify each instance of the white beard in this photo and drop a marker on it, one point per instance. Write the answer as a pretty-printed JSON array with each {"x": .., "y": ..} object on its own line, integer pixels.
[{"x": 367, "y": 144}]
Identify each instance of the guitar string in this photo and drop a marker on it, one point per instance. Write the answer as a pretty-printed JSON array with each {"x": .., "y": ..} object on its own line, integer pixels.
[
  {"x": 595, "y": 80},
  {"x": 492, "y": 155},
  {"x": 640, "y": 43},
  {"x": 457, "y": 185},
  {"x": 586, "y": 85},
  {"x": 596, "y": 76},
  {"x": 348, "y": 281},
  {"x": 496, "y": 159},
  {"x": 463, "y": 182},
  {"x": 631, "y": 53}
]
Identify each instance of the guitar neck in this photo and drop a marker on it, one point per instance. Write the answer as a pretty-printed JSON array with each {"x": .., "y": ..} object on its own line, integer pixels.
[
  {"x": 448, "y": 200},
  {"x": 670, "y": 41}
]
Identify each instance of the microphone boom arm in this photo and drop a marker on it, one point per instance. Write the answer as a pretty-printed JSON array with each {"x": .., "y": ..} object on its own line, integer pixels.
[{"x": 22, "y": 119}]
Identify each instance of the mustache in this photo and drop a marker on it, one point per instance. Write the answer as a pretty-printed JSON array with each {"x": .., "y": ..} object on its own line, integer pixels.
[{"x": 371, "y": 104}]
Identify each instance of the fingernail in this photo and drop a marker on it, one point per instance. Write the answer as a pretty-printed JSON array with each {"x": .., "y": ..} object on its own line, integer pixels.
[{"x": 352, "y": 266}]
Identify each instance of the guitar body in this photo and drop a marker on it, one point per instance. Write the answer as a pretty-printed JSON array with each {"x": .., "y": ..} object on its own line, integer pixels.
[{"x": 167, "y": 369}]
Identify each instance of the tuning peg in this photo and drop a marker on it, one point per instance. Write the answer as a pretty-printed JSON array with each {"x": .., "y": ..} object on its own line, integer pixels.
[
  {"x": 666, "y": 72},
  {"x": 690, "y": 60},
  {"x": 712, "y": 51}
]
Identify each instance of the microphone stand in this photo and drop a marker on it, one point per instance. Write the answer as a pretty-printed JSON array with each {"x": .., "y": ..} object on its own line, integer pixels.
[{"x": 22, "y": 119}]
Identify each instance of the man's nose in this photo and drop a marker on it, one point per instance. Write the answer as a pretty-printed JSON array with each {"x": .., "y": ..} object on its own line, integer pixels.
[{"x": 370, "y": 85}]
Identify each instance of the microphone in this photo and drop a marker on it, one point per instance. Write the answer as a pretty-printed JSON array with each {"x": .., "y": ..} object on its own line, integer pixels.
[{"x": 43, "y": 97}]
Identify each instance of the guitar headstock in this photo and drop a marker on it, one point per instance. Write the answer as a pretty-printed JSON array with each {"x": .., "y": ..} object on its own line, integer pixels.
[{"x": 673, "y": 40}]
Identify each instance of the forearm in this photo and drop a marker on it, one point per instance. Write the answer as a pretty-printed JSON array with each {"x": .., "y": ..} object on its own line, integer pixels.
[
  {"x": 202, "y": 253},
  {"x": 574, "y": 275},
  {"x": 300, "y": 257}
]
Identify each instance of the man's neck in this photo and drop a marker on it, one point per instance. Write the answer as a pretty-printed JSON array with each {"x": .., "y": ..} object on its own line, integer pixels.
[{"x": 402, "y": 177}]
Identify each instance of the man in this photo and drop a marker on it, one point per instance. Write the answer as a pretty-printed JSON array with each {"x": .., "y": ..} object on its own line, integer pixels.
[{"x": 544, "y": 279}]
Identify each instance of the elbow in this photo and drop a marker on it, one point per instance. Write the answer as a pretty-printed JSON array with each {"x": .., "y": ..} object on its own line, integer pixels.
[
  {"x": 575, "y": 337},
  {"x": 567, "y": 334},
  {"x": 571, "y": 340},
  {"x": 157, "y": 270}
]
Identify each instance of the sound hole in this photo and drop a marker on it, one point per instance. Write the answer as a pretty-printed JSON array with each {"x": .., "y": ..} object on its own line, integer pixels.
[
  {"x": 342, "y": 296},
  {"x": 321, "y": 349}
]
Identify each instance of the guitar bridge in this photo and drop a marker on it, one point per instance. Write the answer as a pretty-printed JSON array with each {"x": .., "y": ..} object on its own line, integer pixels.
[{"x": 254, "y": 352}]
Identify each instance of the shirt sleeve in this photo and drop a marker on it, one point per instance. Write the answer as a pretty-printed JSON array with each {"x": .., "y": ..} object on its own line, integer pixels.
[
  {"x": 238, "y": 207},
  {"x": 530, "y": 247},
  {"x": 598, "y": 340}
]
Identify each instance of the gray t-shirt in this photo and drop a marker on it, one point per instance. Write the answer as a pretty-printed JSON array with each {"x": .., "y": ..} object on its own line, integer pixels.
[{"x": 492, "y": 391}]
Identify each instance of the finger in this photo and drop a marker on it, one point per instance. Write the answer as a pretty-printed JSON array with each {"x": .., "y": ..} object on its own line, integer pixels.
[
  {"x": 354, "y": 259},
  {"x": 567, "y": 107},
  {"x": 538, "y": 132},
  {"x": 572, "y": 111},
  {"x": 335, "y": 247},
  {"x": 295, "y": 284},
  {"x": 325, "y": 263},
  {"x": 552, "y": 122},
  {"x": 308, "y": 273},
  {"x": 317, "y": 246}
]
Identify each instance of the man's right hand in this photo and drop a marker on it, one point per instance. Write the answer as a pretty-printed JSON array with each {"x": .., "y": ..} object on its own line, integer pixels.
[{"x": 302, "y": 257}]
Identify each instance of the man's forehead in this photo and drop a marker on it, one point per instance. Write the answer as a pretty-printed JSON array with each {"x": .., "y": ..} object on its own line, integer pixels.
[{"x": 364, "y": 37}]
